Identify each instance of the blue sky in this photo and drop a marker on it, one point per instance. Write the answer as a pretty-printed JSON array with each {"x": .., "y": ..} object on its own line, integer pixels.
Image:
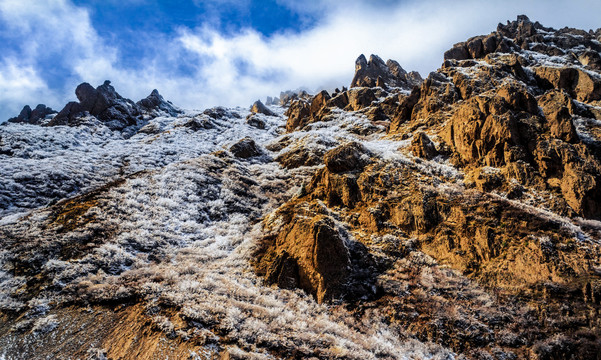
[{"x": 231, "y": 52}]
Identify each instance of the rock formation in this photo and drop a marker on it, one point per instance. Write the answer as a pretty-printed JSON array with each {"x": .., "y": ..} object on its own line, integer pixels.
[
  {"x": 156, "y": 102},
  {"x": 516, "y": 113},
  {"x": 103, "y": 103},
  {"x": 377, "y": 73},
  {"x": 35, "y": 116},
  {"x": 245, "y": 148},
  {"x": 259, "y": 108}
]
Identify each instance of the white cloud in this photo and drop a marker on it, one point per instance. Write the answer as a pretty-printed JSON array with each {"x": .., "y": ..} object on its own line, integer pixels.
[
  {"x": 237, "y": 69},
  {"x": 20, "y": 85}
]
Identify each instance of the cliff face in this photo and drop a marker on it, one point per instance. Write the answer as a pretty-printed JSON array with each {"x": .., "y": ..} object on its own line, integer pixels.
[
  {"x": 498, "y": 177},
  {"x": 451, "y": 217}
]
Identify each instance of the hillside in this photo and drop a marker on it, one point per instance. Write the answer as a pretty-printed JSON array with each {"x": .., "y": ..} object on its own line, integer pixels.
[{"x": 452, "y": 217}]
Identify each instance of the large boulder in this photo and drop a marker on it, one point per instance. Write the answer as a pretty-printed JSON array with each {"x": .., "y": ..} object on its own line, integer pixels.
[
  {"x": 360, "y": 98},
  {"x": 310, "y": 254},
  {"x": 318, "y": 104},
  {"x": 245, "y": 148},
  {"x": 577, "y": 83}
]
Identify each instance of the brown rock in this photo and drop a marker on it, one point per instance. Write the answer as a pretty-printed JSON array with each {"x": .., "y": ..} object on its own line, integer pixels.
[
  {"x": 405, "y": 110},
  {"x": 576, "y": 82},
  {"x": 480, "y": 129},
  {"x": 588, "y": 88},
  {"x": 591, "y": 59},
  {"x": 423, "y": 147},
  {"x": 487, "y": 179},
  {"x": 318, "y": 105},
  {"x": 352, "y": 156},
  {"x": 335, "y": 189},
  {"x": 360, "y": 98},
  {"x": 558, "y": 107},
  {"x": 340, "y": 100},
  {"x": 311, "y": 254},
  {"x": 298, "y": 114},
  {"x": 300, "y": 156},
  {"x": 581, "y": 191},
  {"x": 518, "y": 98},
  {"x": 458, "y": 52},
  {"x": 259, "y": 108},
  {"x": 245, "y": 148},
  {"x": 418, "y": 211},
  {"x": 475, "y": 47},
  {"x": 489, "y": 44}
]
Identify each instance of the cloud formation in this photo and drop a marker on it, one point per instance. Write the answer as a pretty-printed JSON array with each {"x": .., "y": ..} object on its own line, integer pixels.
[{"x": 53, "y": 46}]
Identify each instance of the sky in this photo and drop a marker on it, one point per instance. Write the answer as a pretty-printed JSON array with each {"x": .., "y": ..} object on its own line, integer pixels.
[{"x": 200, "y": 54}]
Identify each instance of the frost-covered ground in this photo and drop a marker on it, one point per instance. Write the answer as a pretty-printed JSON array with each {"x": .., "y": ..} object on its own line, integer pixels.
[
  {"x": 174, "y": 225},
  {"x": 43, "y": 164}
]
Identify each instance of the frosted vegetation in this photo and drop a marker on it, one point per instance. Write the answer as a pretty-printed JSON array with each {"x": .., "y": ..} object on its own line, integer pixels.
[{"x": 172, "y": 223}]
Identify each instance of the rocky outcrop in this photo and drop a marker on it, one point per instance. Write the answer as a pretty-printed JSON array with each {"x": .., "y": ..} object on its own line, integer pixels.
[
  {"x": 374, "y": 72},
  {"x": 309, "y": 254},
  {"x": 348, "y": 157},
  {"x": 286, "y": 97},
  {"x": 461, "y": 213},
  {"x": 245, "y": 148},
  {"x": 104, "y": 103},
  {"x": 298, "y": 115},
  {"x": 306, "y": 249},
  {"x": 423, "y": 147},
  {"x": 259, "y": 108},
  {"x": 579, "y": 84},
  {"x": 558, "y": 109},
  {"x": 35, "y": 116},
  {"x": 517, "y": 111},
  {"x": 300, "y": 156},
  {"x": 272, "y": 101},
  {"x": 219, "y": 112},
  {"x": 513, "y": 116},
  {"x": 156, "y": 103}
]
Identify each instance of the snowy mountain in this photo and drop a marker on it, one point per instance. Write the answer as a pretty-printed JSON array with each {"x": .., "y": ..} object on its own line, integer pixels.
[{"x": 451, "y": 217}]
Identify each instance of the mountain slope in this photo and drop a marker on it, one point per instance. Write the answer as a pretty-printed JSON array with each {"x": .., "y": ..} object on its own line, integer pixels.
[{"x": 451, "y": 217}]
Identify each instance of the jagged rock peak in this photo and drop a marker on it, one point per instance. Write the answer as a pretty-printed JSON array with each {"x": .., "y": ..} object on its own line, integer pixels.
[
  {"x": 155, "y": 102},
  {"x": 286, "y": 97},
  {"x": 376, "y": 72},
  {"x": 272, "y": 101},
  {"x": 35, "y": 116},
  {"x": 259, "y": 108},
  {"x": 527, "y": 35},
  {"x": 104, "y": 103}
]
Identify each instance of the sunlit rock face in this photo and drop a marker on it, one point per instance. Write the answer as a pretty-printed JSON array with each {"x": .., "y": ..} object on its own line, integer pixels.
[{"x": 455, "y": 216}]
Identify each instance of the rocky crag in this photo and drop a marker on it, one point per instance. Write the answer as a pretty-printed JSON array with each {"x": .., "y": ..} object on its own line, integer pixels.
[{"x": 451, "y": 217}]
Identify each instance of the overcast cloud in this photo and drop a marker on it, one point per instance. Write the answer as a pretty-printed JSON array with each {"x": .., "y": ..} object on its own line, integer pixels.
[{"x": 201, "y": 67}]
